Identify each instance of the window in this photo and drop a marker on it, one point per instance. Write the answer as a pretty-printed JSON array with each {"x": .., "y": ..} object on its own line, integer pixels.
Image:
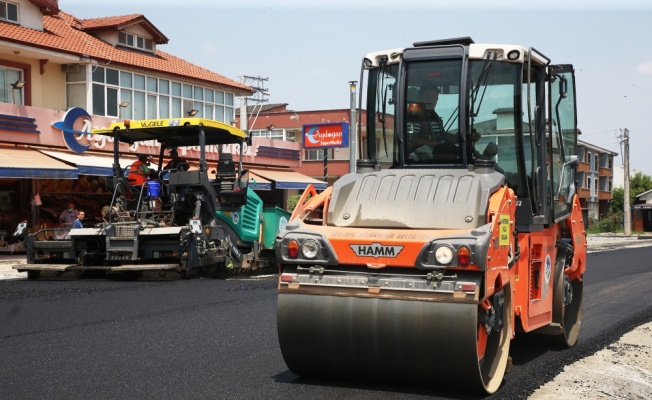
[
  {"x": 595, "y": 187},
  {"x": 7, "y": 93},
  {"x": 315, "y": 155},
  {"x": 148, "y": 96},
  {"x": 8, "y": 11},
  {"x": 138, "y": 42},
  {"x": 76, "y": 86},
  {"x": 273, "y": 134},
  {"x": 596, "y": 160}
]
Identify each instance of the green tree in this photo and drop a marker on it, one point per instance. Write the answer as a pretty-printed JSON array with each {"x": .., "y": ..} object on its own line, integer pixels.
[
  {"x": 617, "y": 204},
  {"x": 639, "y": 183},
  {"x": 292, "y": 202}
]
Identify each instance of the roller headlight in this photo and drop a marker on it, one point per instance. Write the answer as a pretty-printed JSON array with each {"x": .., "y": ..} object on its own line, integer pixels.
[
  {"x": 310, "y": 248},
  {"x": 513, "y": 55},
  {"x": 305, "y": 248},
  {"x": 444, "y": 255}
]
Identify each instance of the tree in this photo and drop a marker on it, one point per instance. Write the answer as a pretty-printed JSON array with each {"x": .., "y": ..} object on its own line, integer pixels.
[
  {"x": 639, "y": 183},
  {"x": 617, "y": 200}
]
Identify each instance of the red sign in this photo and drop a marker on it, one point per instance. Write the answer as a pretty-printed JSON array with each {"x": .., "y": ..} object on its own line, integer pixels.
[{"x": 322, "y": 136}]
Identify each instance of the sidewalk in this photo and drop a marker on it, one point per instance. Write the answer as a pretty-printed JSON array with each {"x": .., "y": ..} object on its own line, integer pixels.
[{"x": 7, "y": 261}]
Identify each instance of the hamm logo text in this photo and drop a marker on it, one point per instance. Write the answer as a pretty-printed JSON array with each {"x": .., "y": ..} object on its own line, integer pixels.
[{"x": 376, "y": 250}]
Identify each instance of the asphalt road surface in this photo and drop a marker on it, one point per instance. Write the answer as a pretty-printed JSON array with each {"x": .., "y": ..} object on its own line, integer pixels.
[{"x": 216, "y": 339}]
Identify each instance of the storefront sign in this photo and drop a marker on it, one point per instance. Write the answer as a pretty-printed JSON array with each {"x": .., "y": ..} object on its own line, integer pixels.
[
  {"x": 76, "y": 130},
  {"x": 321, "y": 136},
  {"x": 77, "y": 140}
]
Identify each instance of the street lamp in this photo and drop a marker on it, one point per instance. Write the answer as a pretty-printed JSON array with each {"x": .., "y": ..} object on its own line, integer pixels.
[
  {"x": 192, "y": 112},
  {"x": 270, "y": 129},
  {"x": 16, "y": 86},
  {"x": 124, "y": 104}
]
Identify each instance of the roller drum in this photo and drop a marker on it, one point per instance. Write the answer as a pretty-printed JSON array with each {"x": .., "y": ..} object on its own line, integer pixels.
[{"x": 424, "y": 342}]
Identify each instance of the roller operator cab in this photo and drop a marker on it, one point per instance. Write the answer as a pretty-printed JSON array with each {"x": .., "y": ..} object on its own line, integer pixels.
[{"x": 460, "y": 227}]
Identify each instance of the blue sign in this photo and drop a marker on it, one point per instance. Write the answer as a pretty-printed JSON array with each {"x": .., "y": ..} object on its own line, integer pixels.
[{"x": 70, "y": 134}]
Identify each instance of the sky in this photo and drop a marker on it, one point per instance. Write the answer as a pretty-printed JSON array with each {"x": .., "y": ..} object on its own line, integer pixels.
[{"x": 310, "y": 49}]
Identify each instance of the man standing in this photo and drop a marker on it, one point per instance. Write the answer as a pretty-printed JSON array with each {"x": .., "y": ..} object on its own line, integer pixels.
[
  {"x": 177, "y": 162},
  {"x": 79, "y": 222},
  {"x": 68, "y": 216}
]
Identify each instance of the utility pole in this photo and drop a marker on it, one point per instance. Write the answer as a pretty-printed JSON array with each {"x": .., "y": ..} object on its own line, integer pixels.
[
  {"x": 352, "y": 129},
  {"x": 627, "y": 208},
  {"x": 259, "y": 96}
]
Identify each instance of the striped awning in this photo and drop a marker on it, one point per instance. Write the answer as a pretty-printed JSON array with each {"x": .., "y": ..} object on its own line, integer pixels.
[
  {"x": 27, "y": 163},
  {"x": 288, "y": 179},
  {"x": 90, "y": 163}
]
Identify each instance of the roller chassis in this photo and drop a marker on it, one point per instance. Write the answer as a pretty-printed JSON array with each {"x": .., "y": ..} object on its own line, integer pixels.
[{"x": 423, "y": 272}]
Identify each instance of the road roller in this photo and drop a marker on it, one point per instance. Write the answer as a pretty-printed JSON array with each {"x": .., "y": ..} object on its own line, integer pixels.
[{"x": 458, "y": 228}]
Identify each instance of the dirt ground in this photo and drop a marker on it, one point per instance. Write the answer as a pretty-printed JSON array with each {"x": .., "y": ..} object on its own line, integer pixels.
[{"x": 623, "y": 370}]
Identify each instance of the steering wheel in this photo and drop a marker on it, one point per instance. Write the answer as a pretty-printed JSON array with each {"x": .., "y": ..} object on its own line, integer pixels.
[{"x": 446, "y": 152}]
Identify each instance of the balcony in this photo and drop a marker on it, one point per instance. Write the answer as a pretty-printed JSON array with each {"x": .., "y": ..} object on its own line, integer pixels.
[{"x": 583, "y": 167}]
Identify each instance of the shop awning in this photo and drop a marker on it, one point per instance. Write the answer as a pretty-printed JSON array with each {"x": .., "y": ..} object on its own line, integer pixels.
[
  {"x": 89, "y": 163},
  {"x": 286, "y": 179},
  {"x": 257, "y": 182},
  {"x": 23, "y": 162}
]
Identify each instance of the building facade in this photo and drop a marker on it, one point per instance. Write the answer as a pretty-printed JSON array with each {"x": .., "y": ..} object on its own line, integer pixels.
[
  {"x": 595, "y": 178},
  {"x": 61, "y": 75}
]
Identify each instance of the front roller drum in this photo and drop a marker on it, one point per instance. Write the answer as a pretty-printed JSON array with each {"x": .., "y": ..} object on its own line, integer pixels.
[{"x": 404, "y": 341}]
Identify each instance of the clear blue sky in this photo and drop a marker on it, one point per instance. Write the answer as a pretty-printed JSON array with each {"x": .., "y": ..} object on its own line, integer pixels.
[{"x": 310, "y": 49}]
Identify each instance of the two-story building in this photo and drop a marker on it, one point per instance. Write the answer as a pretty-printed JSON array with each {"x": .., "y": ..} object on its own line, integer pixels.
[
  {"x": 595, "y": 175},
  {"x": 61, "y": 75}
]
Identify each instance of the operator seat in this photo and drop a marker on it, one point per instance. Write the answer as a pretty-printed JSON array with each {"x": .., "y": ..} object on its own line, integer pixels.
[{"x": 225, "y": 172}]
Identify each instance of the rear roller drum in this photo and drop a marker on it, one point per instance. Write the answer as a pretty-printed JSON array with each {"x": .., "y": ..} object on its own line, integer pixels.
[
  {"x": 564, "y": 328},
  {"x": 567, "y": 308},
  {"x": 436, "y": 344}
]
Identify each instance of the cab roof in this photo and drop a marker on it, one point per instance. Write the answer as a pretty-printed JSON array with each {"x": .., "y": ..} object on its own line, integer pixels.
[{"x": 173, "y": 132}]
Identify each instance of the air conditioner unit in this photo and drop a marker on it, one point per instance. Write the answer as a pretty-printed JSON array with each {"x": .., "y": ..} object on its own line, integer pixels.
[{"x": 70, "y": 68}]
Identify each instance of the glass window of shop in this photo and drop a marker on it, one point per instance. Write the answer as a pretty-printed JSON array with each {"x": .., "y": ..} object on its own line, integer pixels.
[
  {"x": 8, "y": 94},
  {"x": 148, "y": 96},
  {"x": 315, "y": 155}
]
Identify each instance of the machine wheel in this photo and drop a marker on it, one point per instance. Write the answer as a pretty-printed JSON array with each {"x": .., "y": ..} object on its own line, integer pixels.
[
  {"x": 493, "y": 341},
  {"x": 567, "y": 306},
  {"x": 428, "y": 343}
]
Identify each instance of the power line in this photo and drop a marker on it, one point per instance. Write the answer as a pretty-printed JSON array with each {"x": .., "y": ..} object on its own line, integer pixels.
[{"x": 613, "y": 131}]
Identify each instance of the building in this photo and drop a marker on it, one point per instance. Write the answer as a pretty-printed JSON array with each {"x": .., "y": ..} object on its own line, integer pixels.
[
  {"x": 642, "y": 212},
  {"x": 61, "y": 75},
  {"x": 595, "y": 178},
  {"x": 275, "y": 121}
]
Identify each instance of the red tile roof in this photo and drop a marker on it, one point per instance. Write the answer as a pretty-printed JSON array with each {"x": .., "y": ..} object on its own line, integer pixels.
[
  {"x": 63, "y": 33},
  {"x": 120, "y": 22}
]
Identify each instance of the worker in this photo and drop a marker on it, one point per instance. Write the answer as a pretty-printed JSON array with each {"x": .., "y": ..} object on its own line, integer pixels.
[
  {"x": 176, "y": 162},
  {"x": 79, "y": 222},
  {"x": 139, "y": 171},
  {"x": 68, "y": 216},
  {"x": 426, "y": 129}
]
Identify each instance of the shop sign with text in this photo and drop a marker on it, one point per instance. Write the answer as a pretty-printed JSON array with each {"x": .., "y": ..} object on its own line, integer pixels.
[{"x": 321, "y": 136}]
